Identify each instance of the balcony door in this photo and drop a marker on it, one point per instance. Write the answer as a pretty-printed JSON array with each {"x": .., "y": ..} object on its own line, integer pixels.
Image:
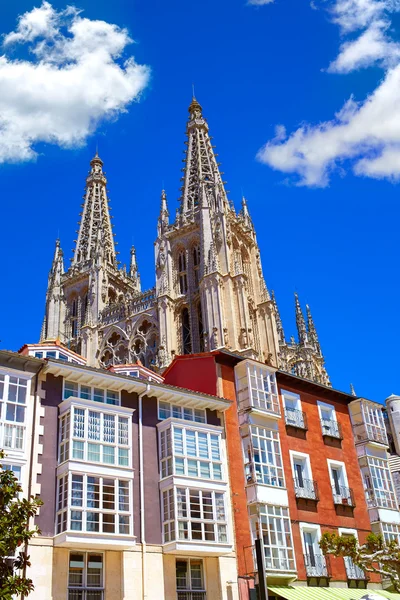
[{"x": 312, "y": 549}]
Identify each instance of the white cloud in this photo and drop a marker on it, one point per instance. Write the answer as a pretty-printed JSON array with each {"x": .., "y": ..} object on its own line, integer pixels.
[
  {"x": 75, "y": 79},
  {"x": 260, "y": 2},
  {"x": 363, "y": 135}
]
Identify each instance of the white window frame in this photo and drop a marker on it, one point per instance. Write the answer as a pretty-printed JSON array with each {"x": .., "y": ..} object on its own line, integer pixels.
[
  {"x": 313, "y": 493},
  {"x": 168, "y": 461},
  {"x": 287, "y": 395},
  {"x": 383, "y": 497},
  {"x": 394, "y": 534},
  {"x": 310, "y": 527},
  {"x": 84, "y": 588},
  {"x": 103, "y": 409},
  {"x": 14, "y": 430},
  {"x": 64, "y": 505},
  {"x": 323, "y": 405},
  {"x": 338, "y": 464},
  {"x": 263, "y": 388},
  {"x": 189, "y": 520},
  {"x": 176, "y": 411},
  {"x": 265, "y": 467},
  {"x": 190, "y": 590},
  {"x": 92, "y": 389},
  {"x": 283, "y": 566}
]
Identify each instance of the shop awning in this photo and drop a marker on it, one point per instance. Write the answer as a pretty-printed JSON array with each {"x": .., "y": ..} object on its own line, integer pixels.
[{"x": 324, "y": 593}]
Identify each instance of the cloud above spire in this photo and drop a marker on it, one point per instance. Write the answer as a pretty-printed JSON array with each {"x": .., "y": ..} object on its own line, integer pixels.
[
  {"x": 364, "y": 135},
  {"x": 74, "y": 76}
]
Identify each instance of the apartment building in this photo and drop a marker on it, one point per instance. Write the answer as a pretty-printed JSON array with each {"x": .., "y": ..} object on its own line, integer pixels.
[
  {"x": 296, "y": 473},
  {"x": 133, "y": 475}
]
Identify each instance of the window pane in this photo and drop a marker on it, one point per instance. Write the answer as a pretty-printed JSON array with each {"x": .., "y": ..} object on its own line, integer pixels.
[
  {"x": 78, "y": 450},
  {"x": 123, "y": 457},
  {"x": 123, "y": 431},
  {"x": 164, "y": 410},
  {"x": 77, "y": 490},
  {"x": 95, "y": 570},
  {"x": 108, "y": 523},
  {"x": 70, "y": 389},
  {"x": 124, "y": 524},
  {"x": 92, "y": 521},
  {"x": 94, "y": 452},
  {"x": 109, "y": 455},
  {"x": 108, "y": 494},
  {"x": 93, "y": 492},
  {"x": 98, "y": 395},
  {"x": 112, "y": 397},
  {"x": 85, "y": 392},
  {"x": 79, "y": 423},
  {"x": 94, "y": 425},
  {"x": 123, "y": 495},
  {"x": 76, "y": 520}
]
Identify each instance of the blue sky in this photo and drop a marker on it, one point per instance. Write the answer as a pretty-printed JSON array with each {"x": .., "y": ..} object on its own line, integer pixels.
[{"x": 327, "y": 225}]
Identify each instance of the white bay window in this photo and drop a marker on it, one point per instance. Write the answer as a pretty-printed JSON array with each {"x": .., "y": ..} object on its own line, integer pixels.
[
  {"x": 95, "y": 436},
  {"x": 193, "y": 514},
  {"x": 87, "y": 392},
  {"x": 190, "y": 452},
  {"x": 13, "y": 407},
  {"x": 92, "y": 504},
  {"x": 263, "y": 457}
]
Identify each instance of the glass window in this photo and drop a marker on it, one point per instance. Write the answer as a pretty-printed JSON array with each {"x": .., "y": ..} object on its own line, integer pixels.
[
  {"x": 200, "y": 515},
  {"x": 190, "y": 452},
  {"x": 263, "y": 389},
  {"x": 264, "y": 457},
  {"x": 391, "y": 532},
  {"x": 16, "y": 469},
  {"x": 189, "y": 577},
  {"x": 277, "y": 537},
  {"x": 97, "y": 436},
  {"x": 13, "y": 403},
  {"x": 93, "y": 503},
  {"x": 90, "y": 393},
  {"x": 166, "y": 410},
  {"x": 85, "y": 577},
  {"x": 378, "y": 484}
]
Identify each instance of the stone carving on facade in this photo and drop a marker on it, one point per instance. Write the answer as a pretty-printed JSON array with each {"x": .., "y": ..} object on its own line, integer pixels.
[{"x": 214, "y": 338}]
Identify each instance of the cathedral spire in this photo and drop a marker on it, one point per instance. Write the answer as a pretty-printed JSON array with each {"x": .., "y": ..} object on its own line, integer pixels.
[
  {"x": 201, "y": 167},
  {"x": 133, "y": 270},
  {"x": 312, "y": 331},
  {"x": 352, "y": 390},
  {"x": 245, "y": 215},
  {"x": 57, "y": 267},
  {"x": 300, "y": 322},
  {"x": 279, "y": 326},
  {"x": 96, "y": 220},
  {"x": 163, "y": 219}
]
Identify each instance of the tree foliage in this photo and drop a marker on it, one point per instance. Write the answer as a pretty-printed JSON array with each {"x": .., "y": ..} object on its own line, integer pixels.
[
  {"x": 375, "y": 556},
  {"x": 15, "y": 514}
]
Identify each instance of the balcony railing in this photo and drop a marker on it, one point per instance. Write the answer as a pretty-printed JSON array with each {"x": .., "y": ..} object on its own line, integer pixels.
[
  {"x": 191, "y": 595},
  {"x": 296, "y": 418},
  {"x": 306, "y": 488},
  {"x": 343, "y": 496},
  {"x": 331, "y": 429},
  {"x": 352, "y": 571},
  {"x": 380, "y": 499},
  {"x": 76, "y": 594},
  {"x": 365, "y": 432},
  {"x": 316, "y": 565}
]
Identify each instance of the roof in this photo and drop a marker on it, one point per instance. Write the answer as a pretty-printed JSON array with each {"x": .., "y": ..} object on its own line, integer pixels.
[
  {"x": 235, "y": 358},
  {"x": 56, "y": 343},
  {"x": 118, "y": 381},
  {"x": 13, "y": 360}
]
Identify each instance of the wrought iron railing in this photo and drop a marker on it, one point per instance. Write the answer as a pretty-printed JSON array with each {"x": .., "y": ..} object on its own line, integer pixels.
[
  {"x": 316, "y": 565},
  {"x": 296, "y": 418},
  {"x": 343, "y": 495},
  {"x": 331, "y": 429},
  {"x": 352, "y": 571},
  {"x": 191, "y": 595},
  {"x": 306, "y": 488},
  {"x": 76, "y": 594}
]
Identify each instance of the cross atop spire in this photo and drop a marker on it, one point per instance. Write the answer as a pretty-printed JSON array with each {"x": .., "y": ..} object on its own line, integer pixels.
[
  {"x": 201, "y": 167},
  {"x": 96, "y": 221},
  {"x": 300, "y": 322}
]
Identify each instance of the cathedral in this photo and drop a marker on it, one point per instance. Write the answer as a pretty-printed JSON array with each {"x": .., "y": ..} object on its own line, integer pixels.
[{"x": 209, "y": 292}]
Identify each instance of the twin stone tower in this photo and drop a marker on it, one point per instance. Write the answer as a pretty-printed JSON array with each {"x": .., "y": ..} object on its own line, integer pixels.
[{"x": 210, "y": 291}]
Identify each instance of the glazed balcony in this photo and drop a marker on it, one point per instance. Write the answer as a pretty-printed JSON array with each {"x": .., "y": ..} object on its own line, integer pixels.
[
  {"x": 306, "y": 489},
  {"x": 380, "y": 499},
  {"x": 365, "y": 432},
  {"x": 343, "y": 496},
  {"x": 331, "y": 429},
  {"x": 296, "y": 418}
]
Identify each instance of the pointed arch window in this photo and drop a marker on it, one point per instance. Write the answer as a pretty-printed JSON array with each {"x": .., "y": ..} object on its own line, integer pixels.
[
  {"x": 182, "y": 270},
  {"x": 186, "y": 333},
  {"x": 196, "y": 264},
  {"x": 74, "y": 318}
]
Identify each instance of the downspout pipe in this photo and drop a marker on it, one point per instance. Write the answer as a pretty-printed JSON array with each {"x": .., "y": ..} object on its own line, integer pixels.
[{"x": 145, "y": 392}]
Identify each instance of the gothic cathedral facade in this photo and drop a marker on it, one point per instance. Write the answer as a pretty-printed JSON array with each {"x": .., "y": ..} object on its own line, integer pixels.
[{"x": 210, "y": 291}]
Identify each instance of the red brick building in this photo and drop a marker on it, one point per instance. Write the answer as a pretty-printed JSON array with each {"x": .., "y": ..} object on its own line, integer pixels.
[{"x": 294, "y": 471}]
